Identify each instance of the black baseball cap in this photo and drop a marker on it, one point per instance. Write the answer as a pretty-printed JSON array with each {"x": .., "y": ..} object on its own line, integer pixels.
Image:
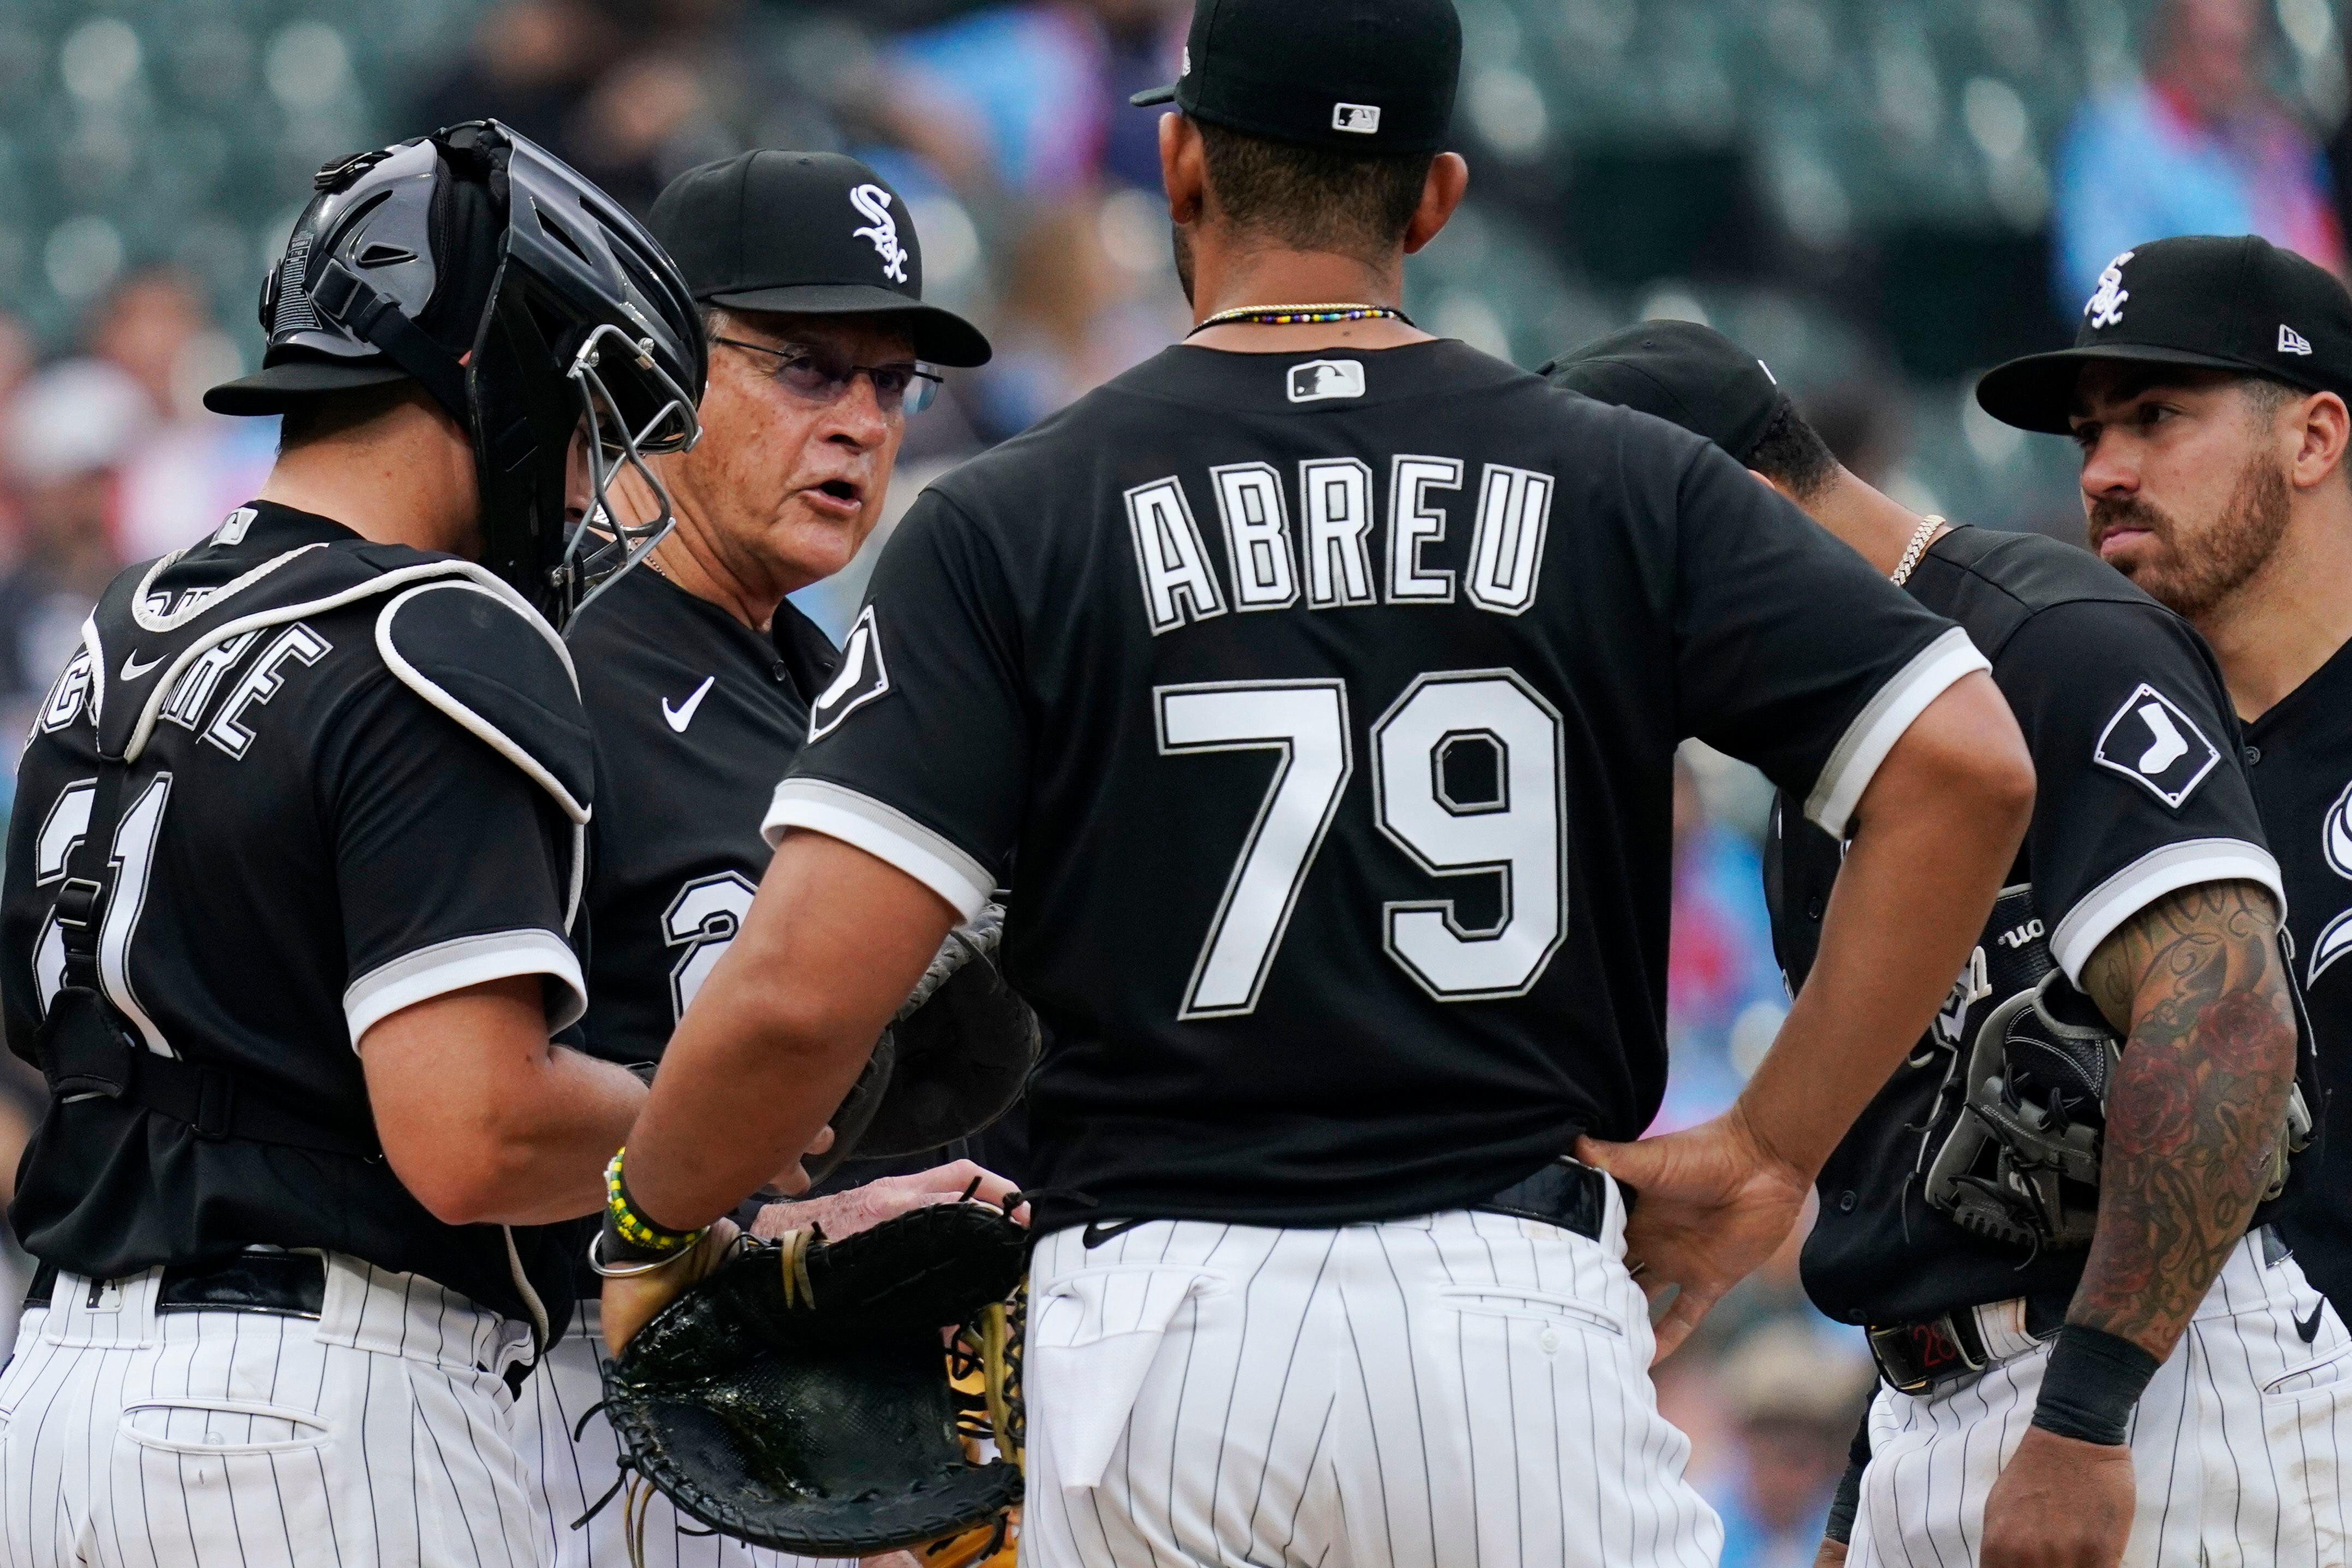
[
  {"x": 1684, "y": 373},
  {"x": 1354, "y": 76},
  {"x": 2232, "y": 302},
  {"x": 811, "y": 234}
]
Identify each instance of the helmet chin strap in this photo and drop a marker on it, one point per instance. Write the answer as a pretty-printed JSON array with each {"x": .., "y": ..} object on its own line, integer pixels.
[{"x": 601, "y": 549}]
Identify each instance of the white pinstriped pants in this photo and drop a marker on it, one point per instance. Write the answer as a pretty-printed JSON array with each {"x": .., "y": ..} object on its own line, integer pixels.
[
  {"x": 377, "y": 1437},
  {"x": 2239, "y": 1446},
  {"x": 566, "y": 1477},
  {"x": 1452, "y": 1391}
]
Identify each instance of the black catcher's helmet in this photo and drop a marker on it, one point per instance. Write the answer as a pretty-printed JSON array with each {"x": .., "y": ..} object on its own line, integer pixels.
[{"x": 527, "y": 302}]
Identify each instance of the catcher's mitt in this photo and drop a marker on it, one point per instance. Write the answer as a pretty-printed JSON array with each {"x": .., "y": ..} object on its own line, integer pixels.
[
  {"x": 954, "y": 1060},
  {"x": 800, "y": 1398}
]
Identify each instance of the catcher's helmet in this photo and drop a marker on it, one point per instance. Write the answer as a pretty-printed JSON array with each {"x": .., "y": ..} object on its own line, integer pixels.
[{"x": 526, "y": 302}]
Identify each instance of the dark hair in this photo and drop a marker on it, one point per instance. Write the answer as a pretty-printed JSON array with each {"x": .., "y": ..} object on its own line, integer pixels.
[
  {"x": 325, "y": 415},
  {"x": 1792, "y": 452},
  {"x": 1312, "y": 199}
]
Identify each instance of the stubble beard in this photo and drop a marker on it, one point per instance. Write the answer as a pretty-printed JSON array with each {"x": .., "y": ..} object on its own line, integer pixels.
[{"x": 2193, "y": 581}]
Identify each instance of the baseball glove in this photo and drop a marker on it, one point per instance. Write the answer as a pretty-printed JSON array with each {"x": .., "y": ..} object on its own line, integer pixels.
[
  {"x": 798, "y": 1398},
  {"x": 954, "y": 1060}
]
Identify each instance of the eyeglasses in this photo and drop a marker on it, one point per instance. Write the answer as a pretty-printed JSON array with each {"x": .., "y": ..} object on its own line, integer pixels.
[{"x": 821, "y": 376}]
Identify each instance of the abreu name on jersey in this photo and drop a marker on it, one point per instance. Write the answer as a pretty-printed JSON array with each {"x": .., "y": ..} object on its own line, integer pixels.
[{"x": 1329, "y": 560}]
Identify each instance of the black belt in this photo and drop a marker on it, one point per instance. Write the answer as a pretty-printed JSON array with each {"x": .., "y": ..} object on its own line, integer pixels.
[
  {"x": 1565, "y": 1193},
  {"x": 1923, "y": 1356},
  {"x": 283, "y": 1284}
]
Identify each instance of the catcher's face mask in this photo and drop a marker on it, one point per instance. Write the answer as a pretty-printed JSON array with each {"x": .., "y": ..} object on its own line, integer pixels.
[{"x": 529, "y": 306}]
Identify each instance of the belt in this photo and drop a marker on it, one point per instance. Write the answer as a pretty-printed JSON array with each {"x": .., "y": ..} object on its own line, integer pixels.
[
  {"x": 1924, "y": 1356},
  {"x": 283, "y": 1284},
  {"x": 1565, "y": 1193}
]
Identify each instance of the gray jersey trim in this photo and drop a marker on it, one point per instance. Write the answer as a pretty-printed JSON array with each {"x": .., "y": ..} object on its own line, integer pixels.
[
  {"x": 884, "y": 832},
  {"x": 462, "y": 961},
  {"x": 1854, "y": 760},
  {"x": 2190, "y": 862}
]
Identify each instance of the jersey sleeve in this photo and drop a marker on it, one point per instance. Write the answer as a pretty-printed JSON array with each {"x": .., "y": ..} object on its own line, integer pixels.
[
  {"x": 453, "y": 865},
  {"x": 1793, "y": 653},
  {"x": 918, "y": 750},
  {"x": 2141, "y": 790}
]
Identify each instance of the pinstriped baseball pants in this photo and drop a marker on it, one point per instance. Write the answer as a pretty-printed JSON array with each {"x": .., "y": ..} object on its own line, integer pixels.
[
  {"x": 377, "y": 1437},
  {"x": 1454, "y": 1391},
  {"x": 2240, "y": 1446}
]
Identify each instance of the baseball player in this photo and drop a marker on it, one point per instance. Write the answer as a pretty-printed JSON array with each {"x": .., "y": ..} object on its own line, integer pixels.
[
  {"x": 2146, "y": 882},
  {"x": 2207, "y": 389},
  {"x": 1316, "y": 683},
  {"x": 296, "y": 850},
  {"x": 697, "y": 673}
]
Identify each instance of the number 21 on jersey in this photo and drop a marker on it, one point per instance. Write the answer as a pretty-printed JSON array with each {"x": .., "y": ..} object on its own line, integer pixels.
[{"x": 1517, "y": 835}]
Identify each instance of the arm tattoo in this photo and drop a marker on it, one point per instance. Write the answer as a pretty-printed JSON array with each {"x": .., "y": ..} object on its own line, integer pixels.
[{"x": 2196, "y": 984}]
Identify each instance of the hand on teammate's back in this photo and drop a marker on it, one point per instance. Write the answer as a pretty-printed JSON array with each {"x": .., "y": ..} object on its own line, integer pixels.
[
  {"x": 2060, "y": 1504},
  {"x": 1711, "y": 1204},
  {"x": 860, "y": 1209}
]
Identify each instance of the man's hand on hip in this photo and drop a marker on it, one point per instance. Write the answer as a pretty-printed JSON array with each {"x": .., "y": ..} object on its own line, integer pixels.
[
  {"x": 2060, "y": 1504},
  {"x": 1711, "y": 1204}
]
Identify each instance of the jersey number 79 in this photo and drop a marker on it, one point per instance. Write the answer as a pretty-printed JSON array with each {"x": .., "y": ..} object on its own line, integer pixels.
[{"x": 1517, "y": 834}]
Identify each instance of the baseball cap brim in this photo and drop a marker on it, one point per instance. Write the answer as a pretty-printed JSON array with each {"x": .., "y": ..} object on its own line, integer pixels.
[
  {"x": 282, "y": 386},
  {"x": 1150, "y": 96},
  {"x": 941, "y": 337},
  {"x": 2037, "y": 391}
]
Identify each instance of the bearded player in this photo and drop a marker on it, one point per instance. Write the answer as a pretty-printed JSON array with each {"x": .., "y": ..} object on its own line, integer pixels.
[{"x": 1994, "y": 1282}]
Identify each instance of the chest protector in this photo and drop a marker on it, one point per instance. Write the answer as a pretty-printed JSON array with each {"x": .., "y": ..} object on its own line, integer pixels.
[{"x": 137, "y": 645}]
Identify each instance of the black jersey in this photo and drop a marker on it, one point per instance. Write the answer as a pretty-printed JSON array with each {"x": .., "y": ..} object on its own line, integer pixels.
[
  {"x": 1321, "y": 714},
  {"x": 2299, "y": 758},
  {"x": 695, "y": 716},
  {"x": 2140, "y": 793},
  {"x": 357, "y": 781}
]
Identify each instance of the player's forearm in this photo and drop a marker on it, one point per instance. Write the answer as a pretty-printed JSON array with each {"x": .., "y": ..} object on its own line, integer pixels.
[
  {"x": 2193, "y": 1119},
  {"x": 832, "y": 944},
  {"x": 1939, "y": 827},
  {"x": 550, "y": 1166}
]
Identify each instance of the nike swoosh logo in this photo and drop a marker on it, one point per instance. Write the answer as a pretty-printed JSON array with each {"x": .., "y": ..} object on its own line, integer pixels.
[
  {"x": 2310, "y": 1331},
  {"x": 679, "y": 718},
  {"x": 132, "y": 669},
  {"x": 1098, "y": 1231}
]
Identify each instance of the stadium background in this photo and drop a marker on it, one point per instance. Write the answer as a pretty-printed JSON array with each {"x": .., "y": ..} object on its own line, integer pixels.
[{"x": 1878, "y": 196}]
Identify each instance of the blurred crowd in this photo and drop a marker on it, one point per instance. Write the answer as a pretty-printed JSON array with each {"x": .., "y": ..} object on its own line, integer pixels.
[{"x": 1035, "y": 189}]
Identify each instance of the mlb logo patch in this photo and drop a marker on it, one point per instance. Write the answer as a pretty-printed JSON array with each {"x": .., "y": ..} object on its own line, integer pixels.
[
  {"x": 1319, "y": 380},
  {"x": 1362, "y": 119},
  {"x": 2155, "y": 744},
  {"x": 2291, "y": 342}
]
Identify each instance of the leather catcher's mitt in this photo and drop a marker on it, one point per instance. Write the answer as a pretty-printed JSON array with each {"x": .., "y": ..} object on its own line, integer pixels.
[
  {"x": 954, "y": 1060},
  {"x": 800, "y": 1398}
]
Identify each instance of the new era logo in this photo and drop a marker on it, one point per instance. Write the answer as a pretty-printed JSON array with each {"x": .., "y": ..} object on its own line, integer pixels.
[
  {"x": 1362, "y": 119},
  {"x": 2291, "y": 342},
  {"x": 1318, "y": 381}
]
